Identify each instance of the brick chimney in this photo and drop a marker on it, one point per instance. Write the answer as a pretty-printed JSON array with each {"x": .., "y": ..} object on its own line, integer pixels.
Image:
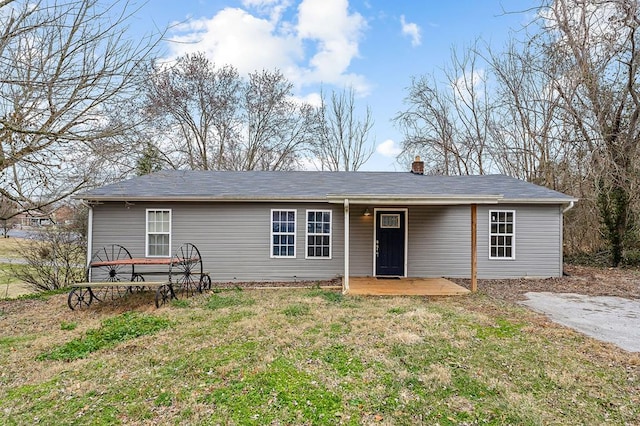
[{"x": 417, "y": 167}]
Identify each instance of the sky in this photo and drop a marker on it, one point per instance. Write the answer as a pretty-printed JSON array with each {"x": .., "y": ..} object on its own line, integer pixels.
[{"x": 373, "y": 46}]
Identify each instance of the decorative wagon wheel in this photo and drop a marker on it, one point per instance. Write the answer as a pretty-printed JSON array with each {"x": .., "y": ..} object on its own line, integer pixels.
[
  {"x": 205, "y": 282},
  {"x": 80, "y": 298},
  {"x": 105, "y": 268},
  {"x": 164, "y": 293},
  {"x": 185, "y": 270},
  {"x": 139, "y": 279}
]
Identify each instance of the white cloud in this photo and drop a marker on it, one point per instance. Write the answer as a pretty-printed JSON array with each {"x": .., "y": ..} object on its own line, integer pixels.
[
  {"x": 233, "y": 36},
  {"x": 388, "y": 148},
  {"x": 316, "y": 45},
  {"x": 336, "y": 33},
  {"x": 412, "y": 30},
  {"x": 313, "y": 99},
  {"x": 310, "y": 163},
  {"x": 273, "y": 8},
  {"x": 469, "y": 85}
]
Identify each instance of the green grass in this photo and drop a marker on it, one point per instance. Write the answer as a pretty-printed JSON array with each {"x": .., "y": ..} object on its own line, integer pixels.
[
  {"x": 228, "y": 300},
  {"x": 306, "y": 357},
  {"x": 9, "y": 247},
  {"x": 296, "y": 310},
  {"x": 113, "y": 331}
]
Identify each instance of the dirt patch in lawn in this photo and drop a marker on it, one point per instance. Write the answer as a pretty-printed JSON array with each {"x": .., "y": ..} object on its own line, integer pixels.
[{"x": 578, "y": 279}]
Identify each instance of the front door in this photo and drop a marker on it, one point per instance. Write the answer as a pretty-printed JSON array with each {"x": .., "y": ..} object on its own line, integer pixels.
[{"x": 390, "y": 243}]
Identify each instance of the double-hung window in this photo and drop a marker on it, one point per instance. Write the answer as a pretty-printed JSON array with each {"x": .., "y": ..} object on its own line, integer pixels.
[
  {"x": 319, "y": 234},
  {"x": 283, "y": 233},
  {"x": 502, "y": 234},
  {"x": 158, "y": 241}
]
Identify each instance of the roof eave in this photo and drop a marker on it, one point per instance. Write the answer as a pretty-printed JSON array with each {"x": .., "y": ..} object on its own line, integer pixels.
[
  {"x": 133, "y": 198},
  {"x": 415, "y": 199},
  {"x": 538, "y": 200}
]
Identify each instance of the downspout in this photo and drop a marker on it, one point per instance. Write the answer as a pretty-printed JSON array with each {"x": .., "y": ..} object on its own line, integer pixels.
[
  {"x": 569, "y": 207},
  {"x": 89, "y": 239},
  {"x": 566, "y": 209},
  {"x": 345, "y": 279}
]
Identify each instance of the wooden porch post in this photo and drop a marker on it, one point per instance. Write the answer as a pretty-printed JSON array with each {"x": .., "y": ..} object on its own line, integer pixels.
[
  {"x": 345, "y": 279},
  {"x": 474, "y": 247}
]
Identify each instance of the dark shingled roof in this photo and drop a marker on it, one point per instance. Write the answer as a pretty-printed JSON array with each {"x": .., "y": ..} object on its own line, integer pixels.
[{"x": 181, "y": 185}]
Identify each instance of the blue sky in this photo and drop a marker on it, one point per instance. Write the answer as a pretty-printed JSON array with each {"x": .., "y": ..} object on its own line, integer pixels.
[{"x": 374, "y": 46}]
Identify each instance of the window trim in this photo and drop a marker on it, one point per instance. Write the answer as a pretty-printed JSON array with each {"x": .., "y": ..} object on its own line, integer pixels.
[
  {"x": 146, "y": 232},
  {"x": 295, "y": 234},
  {"x": 512, "y": 234},
  {"x": 307, "y": 234}
]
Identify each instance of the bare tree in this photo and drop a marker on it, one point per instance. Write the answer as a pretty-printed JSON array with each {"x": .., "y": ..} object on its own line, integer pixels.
[
  {"x": 278, "y": 129},
  {"x": 8, "y": 210},
  {"x": 65, "y": 69},
  {"x": 595, "y": 42},
  {"x": 216, "y": 120},
  {"x": 344, "y": 137},
  {"x": 196, "y": 106},
  {"x": 449, "y": 124}
]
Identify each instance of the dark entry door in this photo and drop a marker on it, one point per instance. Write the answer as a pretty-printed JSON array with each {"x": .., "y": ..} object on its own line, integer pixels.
[{"x": 390, "y": 235}]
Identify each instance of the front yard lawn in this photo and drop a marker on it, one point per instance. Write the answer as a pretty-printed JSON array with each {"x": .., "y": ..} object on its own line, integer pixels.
[{"x": 307, "y": 357}]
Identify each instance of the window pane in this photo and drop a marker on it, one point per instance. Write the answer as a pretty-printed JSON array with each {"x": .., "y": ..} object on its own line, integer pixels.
[
  {"x": 310, "y": 252},
  {"x": 325, "y": 251}
]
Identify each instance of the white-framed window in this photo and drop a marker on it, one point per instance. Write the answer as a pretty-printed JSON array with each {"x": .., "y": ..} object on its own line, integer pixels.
[
  {"x": 283, "y": 233},
  {"x": 502, "y": 234},
  {"x": 158, "y": 241},
  {"x": 388, "y": 220},
  {"x": 319, "y": 234}
]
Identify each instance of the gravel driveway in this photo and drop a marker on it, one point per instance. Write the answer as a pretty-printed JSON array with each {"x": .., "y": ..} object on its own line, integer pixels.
[{"x": 607, "y": 318}]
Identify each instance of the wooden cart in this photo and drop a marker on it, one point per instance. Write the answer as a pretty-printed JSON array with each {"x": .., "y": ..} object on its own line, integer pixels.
[{"x": 112, "y": 274}]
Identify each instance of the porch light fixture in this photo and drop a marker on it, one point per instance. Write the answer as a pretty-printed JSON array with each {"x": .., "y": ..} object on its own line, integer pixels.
[{"x": 366, "y": 212}]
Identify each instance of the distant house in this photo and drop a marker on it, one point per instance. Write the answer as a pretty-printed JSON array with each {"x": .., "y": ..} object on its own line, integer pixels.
[
  {"x": 286, "y": 226},
  {"x": 62, "y": 215},
  {"x": 33, "y": 218}
]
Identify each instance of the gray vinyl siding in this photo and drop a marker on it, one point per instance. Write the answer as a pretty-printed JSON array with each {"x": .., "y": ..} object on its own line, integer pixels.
[
  {"x": 361, "y": 242},
  {"x": 439, "y": 242},
  {"x": 233, "y": 238},
  {"x": 537, "y": 249}
]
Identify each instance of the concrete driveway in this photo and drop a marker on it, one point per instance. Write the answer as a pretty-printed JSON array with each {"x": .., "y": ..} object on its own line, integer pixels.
[{"x": 610, "y": 319}]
